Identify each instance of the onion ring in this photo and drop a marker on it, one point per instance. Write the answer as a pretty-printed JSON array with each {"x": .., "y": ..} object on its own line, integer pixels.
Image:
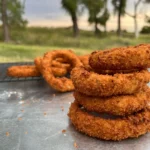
[
  {"x": 23, "y": 71},
  {"x": 117, "y": 105},
  {"x": 124, "y": 58},
  {"x": 93, "y": 84},
  {"x": 57, "y": 64},
  {"x": 58, "y": 72},
  {"x": 110, "y": 129},
  {"x": 61, "y": 84},
  {"x": 112, "y": 72},
  {"x": 84, "y": 59}
]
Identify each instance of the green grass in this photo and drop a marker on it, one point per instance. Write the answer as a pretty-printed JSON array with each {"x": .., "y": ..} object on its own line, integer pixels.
[
  {"x": 31, "y": 42},
  {"x": 17, "y": 53}
]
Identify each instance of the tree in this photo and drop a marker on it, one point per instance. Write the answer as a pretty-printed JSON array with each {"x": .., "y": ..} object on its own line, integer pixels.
[
  {"x": 11, "y": 16},
  {"x": 106, "y": 15},
  {"x": 15, "y": 12},
  {"x": 147, "y": 19},
  {"x": 119, "y": 7},
  {"x": 146, "y": 28},
  {"x": 98, "y": 14},
  {"x": 136, "y": 4},
  {"x": 4, "y": 19},
  {"x": 71, "y": 6}
]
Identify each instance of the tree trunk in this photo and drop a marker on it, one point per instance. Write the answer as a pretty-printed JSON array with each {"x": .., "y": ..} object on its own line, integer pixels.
[
  {"x": 119, "y": 24},
  {"x": 6, "y": 35},
  {"x": 105, "y": 7},
  {"x": 136, "y": 33},
  {"x": 105, "y": 28},
  {"x": 96, "y": 28},
  {"x": 75, "y": 26}
]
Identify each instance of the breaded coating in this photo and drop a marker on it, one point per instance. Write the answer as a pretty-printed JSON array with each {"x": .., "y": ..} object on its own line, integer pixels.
[
  {"x": 23, "y": 71},
  {"x": 112, "y": 72},
  {"x": 122, "y": 105},
  {"x": 123, "y": 58},
  {"x": 61, "y": 84},
  {"x": 58, "y": 72},
  {"x": 84, "y": 59},
  {"x": 110, "y": 129},
  {"x": 57, "y": 64},
  {"x": 94, "y": 84}
]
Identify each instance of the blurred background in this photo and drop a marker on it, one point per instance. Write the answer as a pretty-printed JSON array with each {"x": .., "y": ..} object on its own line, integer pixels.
[{"x": 28, "y": 28}]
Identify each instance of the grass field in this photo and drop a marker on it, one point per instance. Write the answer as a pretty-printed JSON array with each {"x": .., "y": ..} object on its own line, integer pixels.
[{"x": 31, "y": 42}]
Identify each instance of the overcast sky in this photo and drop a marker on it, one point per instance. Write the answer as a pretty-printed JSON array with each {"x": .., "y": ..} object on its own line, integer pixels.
[{"x": 50, "y": 13}]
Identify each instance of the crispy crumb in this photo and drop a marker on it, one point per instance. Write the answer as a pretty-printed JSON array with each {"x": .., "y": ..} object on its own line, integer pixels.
[
  {"x": 45, "y": 113},
  {"x": 26, "y": 132},
  {"x": 63, "y": 131},
  {"x": 22, "y": 110},
  {"x": 19, "y": 118},
  {"x": 54, "y": 95},
  {"x": 75, "y": 145},
  {"x": 7, "y": 134}
]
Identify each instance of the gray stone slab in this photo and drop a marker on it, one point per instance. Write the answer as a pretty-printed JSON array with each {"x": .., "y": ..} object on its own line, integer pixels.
[{"x": 31, "y": 112}]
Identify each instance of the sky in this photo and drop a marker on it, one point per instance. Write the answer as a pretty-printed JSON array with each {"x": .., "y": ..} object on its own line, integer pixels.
[{"x": 49, "y": 13}]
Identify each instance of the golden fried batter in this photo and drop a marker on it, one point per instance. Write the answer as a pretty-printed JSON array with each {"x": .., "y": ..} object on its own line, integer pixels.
[
  {"x": 110, "y": 129},
  {"x": 93, "y": 84},
  {"x": 23, "y": 71},
  {"x": 60, "y": 84},
  {"x": 84, "y": 59},
  {"x": 58, "y": 72},
  {"x": 117, "y": 105},
  {"x": 124, "y": 58}
]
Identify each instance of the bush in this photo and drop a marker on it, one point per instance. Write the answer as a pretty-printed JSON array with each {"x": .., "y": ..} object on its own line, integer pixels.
[{"x": 146, "y": 30}]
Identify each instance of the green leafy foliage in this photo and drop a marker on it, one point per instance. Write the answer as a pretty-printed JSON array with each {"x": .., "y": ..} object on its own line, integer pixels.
[
  {"x": 119, "y": 6},
  {"x": 98, "y": 14},
  {"x": 94, "y": 8},
  {"x": 104, "y": 18},
  {"x": 146, "y": 30},
  {"x": 147, "y": 19},
  {"x": 15, "y": 10},
  {"x": 71, "y": 6}
]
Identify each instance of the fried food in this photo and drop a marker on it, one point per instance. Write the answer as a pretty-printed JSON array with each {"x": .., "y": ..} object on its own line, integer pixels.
[
  {"x": 61, "y": 60},
  {"x": 23, "y": 71},
  {"x": 58, "y": 72},
  {"x": 93, "y": 84},
  {"x": 112, "y": 72},
  {"x": 124, "y": 58},
  {"x": 117, "y": 105},
  {"x": 110, "y": 129},
  {"x": 57, "y": 64},
  {"x": 61, "y": 84},
  {"x": 84, "y": 59}
]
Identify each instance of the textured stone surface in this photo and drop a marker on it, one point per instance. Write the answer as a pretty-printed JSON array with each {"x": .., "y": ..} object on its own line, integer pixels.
[{"x": 32, "y": 117}]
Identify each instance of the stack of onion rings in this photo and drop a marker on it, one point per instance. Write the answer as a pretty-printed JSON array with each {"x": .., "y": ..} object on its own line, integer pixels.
[{"x": 113, "y": 82}]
